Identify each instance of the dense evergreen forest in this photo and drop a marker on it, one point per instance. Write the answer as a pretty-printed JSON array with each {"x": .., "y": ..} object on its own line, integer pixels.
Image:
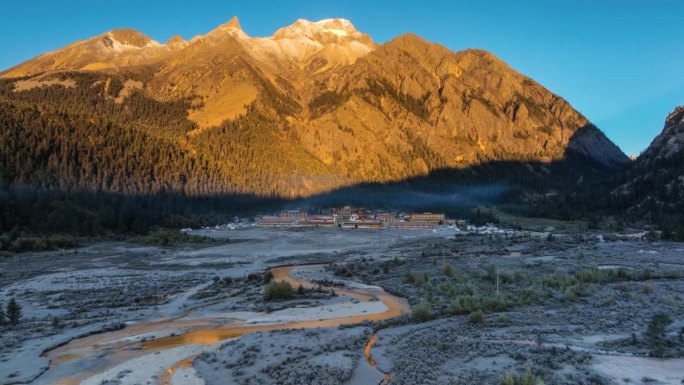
[
  {"x": 80, "y": 139},
  {"x": 32, "y": 210},
  {"x": 637, "y": 195},
  {"x": 74, "y": 161}
]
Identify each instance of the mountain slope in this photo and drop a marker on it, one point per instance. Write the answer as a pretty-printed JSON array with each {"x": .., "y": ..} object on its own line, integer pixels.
[
  {"x": 668, "y": 145},
  {"x": 113, "y": 49},
  {"x": 466, "y": 108},
  {"x": 654, "y": 186},
  {"x": 649, "y": 191},
  {"x": 316, "y": 106}
]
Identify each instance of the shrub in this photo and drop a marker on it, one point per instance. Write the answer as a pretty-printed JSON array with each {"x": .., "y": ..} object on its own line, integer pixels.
[
  {"x": 421, "y": 279},
  {"x": 491, "y": 273},
  {"x": 465, "y": 303},
  {"x": 570, "y": 295},
  {"x": 527, "y": 378},
  {"x": 448, "y": 270},
  {"x": 476, "y": 317},
  {"x": 646, "y": 275},
  {"x": 278, "y": 291},
  {"x": 655, "y": 333},
  {"x": 422, "y": 312}
]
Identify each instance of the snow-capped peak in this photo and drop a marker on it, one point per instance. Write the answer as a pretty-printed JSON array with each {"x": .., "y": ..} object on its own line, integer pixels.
[
  {"x": 340, "y": 27},
  {"x": 323, "y": 31}
]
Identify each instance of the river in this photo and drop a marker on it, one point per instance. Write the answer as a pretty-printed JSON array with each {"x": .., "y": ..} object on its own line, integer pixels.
[{"x": 81, "y": 360}]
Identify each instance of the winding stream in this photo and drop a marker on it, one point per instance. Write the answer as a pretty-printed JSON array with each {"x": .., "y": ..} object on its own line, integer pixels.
[
  {"x": 81, "y": 360},
  {"x": 369, "y": 358},
  {"x": 172, "y": 344}
]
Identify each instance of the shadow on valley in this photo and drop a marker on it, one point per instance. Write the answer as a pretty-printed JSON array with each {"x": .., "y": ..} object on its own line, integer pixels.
[
  {"x": 30, "y": 210},
  {"x": 451, "y": 190},
  {"x": 73, "y": 161}
]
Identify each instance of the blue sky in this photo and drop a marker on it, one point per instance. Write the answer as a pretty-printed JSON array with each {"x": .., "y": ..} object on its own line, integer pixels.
[{"x": 620, "y": 63}]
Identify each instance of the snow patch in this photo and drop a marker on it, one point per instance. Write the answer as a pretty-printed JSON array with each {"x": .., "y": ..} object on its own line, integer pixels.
[{"x": 337, "y": 32}]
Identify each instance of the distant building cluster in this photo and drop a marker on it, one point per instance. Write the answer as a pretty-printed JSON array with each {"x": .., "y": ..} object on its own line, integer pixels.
[
  {"x": 348, "y": 217},
  {"x": 352, "y": 217}
]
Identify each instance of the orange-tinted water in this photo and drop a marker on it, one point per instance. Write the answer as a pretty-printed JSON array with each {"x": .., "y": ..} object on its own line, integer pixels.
[
  {"x": 369, "y": 357},
  {"x": 205, "y": 333}
]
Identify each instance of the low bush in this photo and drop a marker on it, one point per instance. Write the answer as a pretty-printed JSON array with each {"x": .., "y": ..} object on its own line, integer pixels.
[
  {"x": 278, "y": 291},
  {"x": 476, "y": 317},
  {"x": 526, "y": 378},
  {"x": 655, "y": 334},
  {"x": 422, "y": 312},
  {"x": 421, "y": 279}
]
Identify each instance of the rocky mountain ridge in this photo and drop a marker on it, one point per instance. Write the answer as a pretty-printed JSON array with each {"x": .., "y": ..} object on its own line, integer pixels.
[{"x": 316, "y": 106}]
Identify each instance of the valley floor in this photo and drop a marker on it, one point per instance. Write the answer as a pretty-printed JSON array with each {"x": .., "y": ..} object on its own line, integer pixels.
[{"x": 455, "y": 309}]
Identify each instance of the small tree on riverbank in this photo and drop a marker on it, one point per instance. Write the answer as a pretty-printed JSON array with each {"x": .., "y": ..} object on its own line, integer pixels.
[{"x": 13, "y": 312}]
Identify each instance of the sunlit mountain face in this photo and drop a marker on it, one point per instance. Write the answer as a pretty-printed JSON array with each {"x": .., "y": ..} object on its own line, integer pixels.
[{"x": 315, "y": 107}]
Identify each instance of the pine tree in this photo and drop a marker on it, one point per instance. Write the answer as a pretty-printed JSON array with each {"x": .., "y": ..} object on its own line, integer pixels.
[{"x": 13, "y": 312}]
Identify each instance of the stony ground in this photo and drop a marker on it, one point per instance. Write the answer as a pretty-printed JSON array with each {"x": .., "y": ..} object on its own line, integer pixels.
[
  {"x": 569, "y": 308},
  {"x": 290, "y": 357},
  {"x": 539, "y": 306}
]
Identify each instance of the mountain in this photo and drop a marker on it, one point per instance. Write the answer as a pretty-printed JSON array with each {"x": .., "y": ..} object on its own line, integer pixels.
[
  {"x": 117, "y": 48},
  {"x": 649, "y": 191},
  {"x": 654, "y": 187},
  {"x": 667, "y": 148},
  {"x": 315, "y": 107}
]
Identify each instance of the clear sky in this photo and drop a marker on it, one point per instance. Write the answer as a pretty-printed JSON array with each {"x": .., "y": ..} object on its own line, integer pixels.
[{"x": 620, "y": 63}]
